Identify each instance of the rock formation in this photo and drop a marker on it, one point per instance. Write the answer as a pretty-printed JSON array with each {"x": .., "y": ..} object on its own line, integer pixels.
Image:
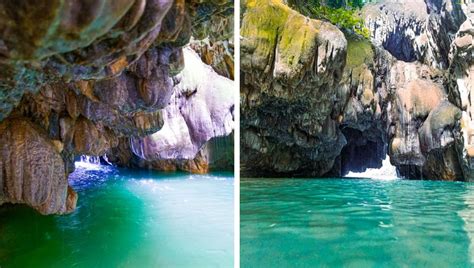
[
  {"x": 286, "y": 68},
  {"x": 460, "y": 88},
  {"x": 81, "y": 78},
  {"x": 317, "y": 103}
]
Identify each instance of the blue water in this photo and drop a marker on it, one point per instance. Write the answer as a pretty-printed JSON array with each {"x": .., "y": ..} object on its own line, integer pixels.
[
  {"x": 127, "y": 219},
  {"x": 356, "y": 223}
]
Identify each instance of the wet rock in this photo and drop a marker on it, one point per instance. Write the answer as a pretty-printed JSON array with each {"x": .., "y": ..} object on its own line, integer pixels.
[
  {"x": 88, "y": 74},
  {"x": 216, "y": 155},
  {"x": 32, "y": 170}
]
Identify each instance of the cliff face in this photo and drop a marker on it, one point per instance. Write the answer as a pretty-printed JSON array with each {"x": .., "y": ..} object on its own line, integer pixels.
[
  {"x": 286, "y": 67},
  {"x": 460, "y": 88},
  {"x": 403, "y": 93},
  {"x": 415, "y": 30},
  {"x": 79, "y": 78}
]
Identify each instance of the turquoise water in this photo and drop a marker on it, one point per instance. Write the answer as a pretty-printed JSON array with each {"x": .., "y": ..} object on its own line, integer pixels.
[
  {"x": 356, "y": 223},
  {"x": 127, "y": 219}
]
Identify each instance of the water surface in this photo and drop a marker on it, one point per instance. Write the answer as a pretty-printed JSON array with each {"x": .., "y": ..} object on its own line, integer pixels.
[
  {"x": 127, "y": 219},
  {"x": 356, "y": 223}
]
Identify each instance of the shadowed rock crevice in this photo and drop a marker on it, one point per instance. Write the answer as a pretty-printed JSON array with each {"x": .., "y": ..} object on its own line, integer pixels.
[{"x": 363, "y": 150}]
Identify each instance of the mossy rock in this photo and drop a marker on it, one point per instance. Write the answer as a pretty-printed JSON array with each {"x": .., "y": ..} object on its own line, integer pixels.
[
  {"x": 261, "y": 24},
  {"x": 279, "y": 41},
  {"x": 359, "y": 52}
]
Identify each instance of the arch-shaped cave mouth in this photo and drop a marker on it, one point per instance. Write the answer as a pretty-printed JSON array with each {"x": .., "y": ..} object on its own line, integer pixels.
[
  {"x": 91, "y": 162},
  {"x": 364, "y": 150}
]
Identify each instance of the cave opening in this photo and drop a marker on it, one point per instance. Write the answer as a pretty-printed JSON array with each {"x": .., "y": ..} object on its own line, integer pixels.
[
  {"x": 364, "y": 150},
  {"x": 91, "y": 162}
]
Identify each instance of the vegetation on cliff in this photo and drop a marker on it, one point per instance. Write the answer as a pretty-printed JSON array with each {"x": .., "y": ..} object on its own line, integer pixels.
[{"x": 342, "y": 13}]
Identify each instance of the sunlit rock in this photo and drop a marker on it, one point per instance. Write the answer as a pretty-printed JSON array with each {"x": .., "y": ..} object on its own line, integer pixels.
[
  {"x": 415, "y": 30},
  {"x": 202, "y": 107},
  {"x": 289, "y": 67}
]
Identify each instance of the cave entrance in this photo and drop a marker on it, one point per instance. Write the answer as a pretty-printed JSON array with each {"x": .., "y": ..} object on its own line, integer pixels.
[
  {"x": 364, "y": 149},
  {"x": 91, "y": 162}
]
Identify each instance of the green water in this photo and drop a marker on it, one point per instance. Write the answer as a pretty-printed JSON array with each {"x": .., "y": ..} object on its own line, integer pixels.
[
  {"x": 356, "y": 223},
  {"x": 127, "y": 219}
]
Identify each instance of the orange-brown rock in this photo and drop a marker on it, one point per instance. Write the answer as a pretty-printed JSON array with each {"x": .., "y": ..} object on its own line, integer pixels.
[
  {"x": 79, "y": 75},
  {"x": 31, "y": 170}
]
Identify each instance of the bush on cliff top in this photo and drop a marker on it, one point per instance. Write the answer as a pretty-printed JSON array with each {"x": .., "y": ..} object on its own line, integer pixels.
[{"x": 342, "y": 13}]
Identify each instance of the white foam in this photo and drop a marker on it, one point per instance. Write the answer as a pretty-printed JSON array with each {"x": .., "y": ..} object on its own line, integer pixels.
[
  {"x": 386, "y": 172},
  {"x": 89, "y": 162}
]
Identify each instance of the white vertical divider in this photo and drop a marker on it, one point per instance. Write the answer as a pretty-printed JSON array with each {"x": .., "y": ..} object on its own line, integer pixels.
[{"x": 237, "y": 134}]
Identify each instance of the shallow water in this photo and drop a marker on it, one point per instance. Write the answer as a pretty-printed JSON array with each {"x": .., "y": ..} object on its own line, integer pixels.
[
  {"x": 127, "y": 219},
  {"x": 356, "y": 223}
]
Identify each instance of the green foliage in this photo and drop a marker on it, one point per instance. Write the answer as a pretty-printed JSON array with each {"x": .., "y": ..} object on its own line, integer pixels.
[
  {"x": 342, "y": 13},
  {"x": 343, "y": 18},
  {"x": 329, "y": 3},
  {"x": 345, "y": 3}
]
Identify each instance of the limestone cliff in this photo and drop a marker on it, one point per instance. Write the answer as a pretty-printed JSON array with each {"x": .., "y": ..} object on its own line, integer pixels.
[
  {"x": 79, "y": 78},
  {"x": 287, "y": 65},
  {"x": 404, "y": 92}
]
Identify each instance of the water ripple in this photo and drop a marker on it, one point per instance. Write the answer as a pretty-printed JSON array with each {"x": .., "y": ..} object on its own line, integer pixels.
[
  {"x": 127, "y": 218},
  {"x": 360, "y": 223}
]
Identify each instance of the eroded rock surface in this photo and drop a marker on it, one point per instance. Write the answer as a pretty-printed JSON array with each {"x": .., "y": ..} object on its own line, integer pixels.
[
  {"x": 287, "y": 67},
  {"x": 404, "y": 93},
  {"x": 415, "y": 30},
  {"x": 32, "y": 169},
  {"x": 216, "y": 155},
  {"x": 199, "y": 110},
  {"x": 81, "y": 77},
  {"x": 461, "y": 89}
]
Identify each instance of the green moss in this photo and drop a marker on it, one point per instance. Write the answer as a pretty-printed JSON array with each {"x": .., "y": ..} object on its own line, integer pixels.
[
  {"x": 260, "y": 27},
  {"x": 274, "y": 34},
  {"x": 297, "y": 40},
  {"x": 359, "y": 52}
]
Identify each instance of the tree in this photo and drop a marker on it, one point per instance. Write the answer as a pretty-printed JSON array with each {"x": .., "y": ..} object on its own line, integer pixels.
[{"x": 342, "y": 13}]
